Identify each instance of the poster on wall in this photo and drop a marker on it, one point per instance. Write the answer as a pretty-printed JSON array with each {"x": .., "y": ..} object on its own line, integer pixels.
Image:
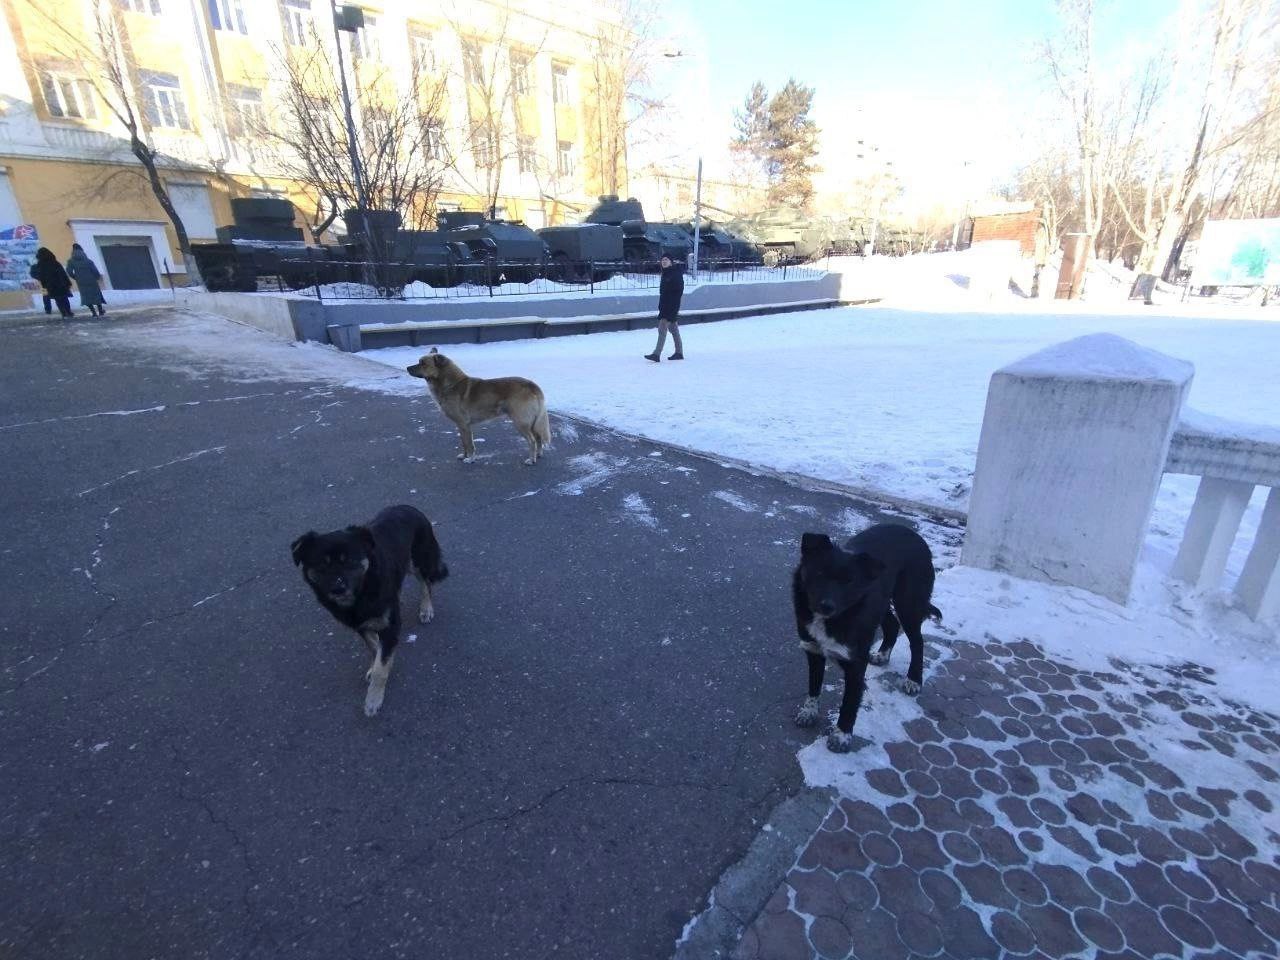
[
  {"x": 17, "y": 252},
  {"x": 1243, "y": 253}
]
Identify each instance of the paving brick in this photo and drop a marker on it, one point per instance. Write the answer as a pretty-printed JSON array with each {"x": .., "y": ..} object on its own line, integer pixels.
[
  {"x": 835, "y": 851},
  {"x": 922, "y": 784},
  {"x": 1114, "y": 842},
  {"x": 815, "y": 893},
  {"x": 1063, "y": 780},
  {"x": 1021, "y": 780},
  {"x": 1231, "y": 926},
  {"x": 881, "y": 849},
  {"x": 857, "y": 892},
  {"x": 1159, "y": 774},
  {"x": 1192, "y": 884},
  {"x": 919, "y": 933},
  {"x": 887, "y": 782},
  {"x": 1109, "y": 885},
  {"x": 964, "y": 935},
  {"x": 961, "y": 848},
  {"x": 905, "y": 756},
  {"x": 830, "y": 938},
  {"x": 1053, "y": 929},
  {"x": 920, "y": 849},
  {"x": 903, "y": 815},
  {"x": 1149, "y": 884},
  {"x": 1098, "y": 929},
  {"x": 941, "y": 889},
  {"x": 864, "y": 817},
  {"x": 1229, "y": 842},
  {"x": 1190, "y": 930},
  {"x": 1193, "y": 842},
  {"x": 1014, "y": 936},
  {"x": 899, "y": 889},
  {"x": 983, "y": 884},
  {"x": 875, "y": 935},
  {"x": 1184, "y": 801},
  {"x": 781, "y": 936},
  {"x": 1030, "y": 841},
  {"x": 991, "y": 782}
]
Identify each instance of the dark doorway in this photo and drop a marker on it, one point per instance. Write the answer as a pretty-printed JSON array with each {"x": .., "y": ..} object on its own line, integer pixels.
[{"x": 129, "y": 267}]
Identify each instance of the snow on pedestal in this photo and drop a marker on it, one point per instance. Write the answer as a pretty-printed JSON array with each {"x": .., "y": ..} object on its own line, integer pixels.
[{"x": 1073, "y": 446}]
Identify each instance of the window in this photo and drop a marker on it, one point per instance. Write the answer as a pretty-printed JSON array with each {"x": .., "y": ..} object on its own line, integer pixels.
[
  {"x": 422, "y": 48},
  {"x": 473, "y": 62},
  {"x": 526, "y": 154},
  {"x": 565, "y": 163},
  {"x": 68, "y": 96},
  {"x": 364, "y": 42},
  {"x": 140, "y": 6},
  {"x": 246, "y": 109},
  {"x": 519, "y": 73},
  {"x": 227, "y": 15},
  {"x": 299, "y": 26},
  {"x": 559, "y": 83},
  {"x": 191, "y": 201},
  {"x": 482, "y": 150},
  {"x": 162, "y": 102},
  {"x": 433, "y": 138}
]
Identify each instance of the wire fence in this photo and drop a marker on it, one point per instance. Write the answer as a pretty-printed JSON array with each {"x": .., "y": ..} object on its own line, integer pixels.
[{"x": 364, "y": 280}]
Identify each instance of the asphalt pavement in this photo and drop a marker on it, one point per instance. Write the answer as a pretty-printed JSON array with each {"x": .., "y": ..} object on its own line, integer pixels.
[{"x": 595, "y": 726}]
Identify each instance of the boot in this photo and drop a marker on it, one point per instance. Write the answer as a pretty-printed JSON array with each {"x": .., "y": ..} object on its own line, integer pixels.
[
  {"x": 653, "y": 356},
  {"x": 676, "y": 356}
]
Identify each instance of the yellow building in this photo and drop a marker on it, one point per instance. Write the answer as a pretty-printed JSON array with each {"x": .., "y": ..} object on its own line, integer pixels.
[{"x": 202, "y": 76}]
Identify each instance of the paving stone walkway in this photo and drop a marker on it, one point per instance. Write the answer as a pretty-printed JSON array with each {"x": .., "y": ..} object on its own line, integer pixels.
[{"x": 1034, "y": 809}]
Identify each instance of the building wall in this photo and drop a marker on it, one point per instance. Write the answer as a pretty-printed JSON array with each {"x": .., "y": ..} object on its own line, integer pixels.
[
  {"x": 1010, "y": 226},
  {"x": 66, "y": 171}
]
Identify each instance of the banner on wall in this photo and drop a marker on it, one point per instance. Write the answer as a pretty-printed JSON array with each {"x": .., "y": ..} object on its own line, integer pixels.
[
  {"x": 1242, "y": 253},
  {"x": 17, "y": 252}
]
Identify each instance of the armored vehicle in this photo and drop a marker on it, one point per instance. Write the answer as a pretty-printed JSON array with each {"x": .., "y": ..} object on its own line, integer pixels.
[
  {"x": 787, "y": 236},
  {"x": 643, "y": 243},
  {"x": 576, "y": 247},
  {"x": 520, "y": 253},
  {"x": 718, "y": 245}
]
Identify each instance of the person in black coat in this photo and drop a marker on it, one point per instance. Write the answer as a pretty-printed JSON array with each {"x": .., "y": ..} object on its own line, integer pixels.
[
  {"x": 54, "y": 279},
  {"x": 670, "y": 291}
]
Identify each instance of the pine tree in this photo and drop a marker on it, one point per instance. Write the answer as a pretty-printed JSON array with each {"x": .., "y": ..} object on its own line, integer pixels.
[
  {"x": 793, "y": 144},
  {"x": 776, "y": 138}
]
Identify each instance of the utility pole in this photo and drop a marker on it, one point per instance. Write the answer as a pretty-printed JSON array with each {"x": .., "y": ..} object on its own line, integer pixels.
[
  {"x": 351, "y": 19},
  {"x": 697, "y": 220}
]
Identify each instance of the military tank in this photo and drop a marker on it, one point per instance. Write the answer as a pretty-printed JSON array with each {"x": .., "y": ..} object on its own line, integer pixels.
[
  {"x": 260, "y": 238},
  {"x": 718, "y": 245},
  {"x": 521, "y": 254},
  {"x": 786, "y": 235},
  {"x": 644, "y": 243}
]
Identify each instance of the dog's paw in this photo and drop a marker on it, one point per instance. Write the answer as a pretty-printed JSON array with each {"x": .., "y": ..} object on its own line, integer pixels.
[
  {"x": 373, "y": 699},
  {"x": 879, "y": 658},
  {"x": 807, "y": 715},
  {"x": 529, "y": 461},
  {"x": 426, "y": 616},
  {"x": 838, "y": 742},
  {"x": 910, "y": 687}
]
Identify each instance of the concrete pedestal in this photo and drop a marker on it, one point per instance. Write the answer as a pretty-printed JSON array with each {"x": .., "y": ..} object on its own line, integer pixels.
[
  {"x": 1259, "y": 585},
  {"x": 1073, "y": 446}
]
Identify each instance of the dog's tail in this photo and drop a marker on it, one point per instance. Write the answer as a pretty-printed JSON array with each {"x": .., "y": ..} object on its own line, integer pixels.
[
  {"x": 542, "y": 426},
  {"x": 935, "y": 613}
]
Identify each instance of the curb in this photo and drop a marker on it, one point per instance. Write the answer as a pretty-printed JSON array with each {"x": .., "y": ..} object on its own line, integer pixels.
[{"x": 744, "y": 888}]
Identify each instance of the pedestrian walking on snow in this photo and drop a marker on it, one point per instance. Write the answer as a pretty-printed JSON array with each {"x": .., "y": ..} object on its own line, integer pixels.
[
  {"x": 670, "y": 292},
  {"x": 88, "y": 279},
  {"x": 54, "y": 279}
]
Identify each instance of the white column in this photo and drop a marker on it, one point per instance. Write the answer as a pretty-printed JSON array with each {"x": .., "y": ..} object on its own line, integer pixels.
[
  {"x": 1211, "y": 529},
  {"x": 1073, "y": 447},
  {"x": 1259, "y": 585}
]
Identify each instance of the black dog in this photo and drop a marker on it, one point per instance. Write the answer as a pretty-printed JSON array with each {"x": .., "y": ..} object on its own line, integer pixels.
[
  {"x": 357, "y": 573},
  {"x": 842, "y": 595}
]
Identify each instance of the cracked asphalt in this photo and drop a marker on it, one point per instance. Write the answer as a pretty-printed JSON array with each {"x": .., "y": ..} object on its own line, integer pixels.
[{"x": 594, "y": 727}]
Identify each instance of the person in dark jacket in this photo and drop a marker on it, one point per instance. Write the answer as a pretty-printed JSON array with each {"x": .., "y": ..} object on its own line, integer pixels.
[
  {"x": 88, "y": 280},
  {"x": 54, "y": 279},
  {"x": 670, "y": 291}
]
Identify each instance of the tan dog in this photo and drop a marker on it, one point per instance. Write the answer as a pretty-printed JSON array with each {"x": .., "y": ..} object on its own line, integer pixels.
[{"x": 467, "y": 400}]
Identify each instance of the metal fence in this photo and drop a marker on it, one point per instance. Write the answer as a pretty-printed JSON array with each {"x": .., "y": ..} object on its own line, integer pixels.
[{"x": 360, "y": 280}]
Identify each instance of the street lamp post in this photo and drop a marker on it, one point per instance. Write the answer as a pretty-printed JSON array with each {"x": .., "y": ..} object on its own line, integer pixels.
[{"x": 351, "y": 19}]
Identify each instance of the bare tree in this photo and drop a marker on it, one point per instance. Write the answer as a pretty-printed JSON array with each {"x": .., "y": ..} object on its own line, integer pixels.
[
  {"x": 400, "y": 141},
  {"x": 495, "y": 73},
  {"x": 626, "y": 49},
  {"x": 105, "y": 61}
]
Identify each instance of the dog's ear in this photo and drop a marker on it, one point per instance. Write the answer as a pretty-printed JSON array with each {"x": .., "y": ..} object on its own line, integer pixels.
[
  {"x": 365, "y": 536},
  {"x": 868, "y": 566},
  {"x": 438, "y": 358},
  {"x": 434, "y": 350},
  {"x": 301, "y": 545},
  {"x": 813, "y": 543}
]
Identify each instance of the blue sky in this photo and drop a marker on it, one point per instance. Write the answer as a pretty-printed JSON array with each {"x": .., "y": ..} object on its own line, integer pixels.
[{"x": 943, "y": 65}]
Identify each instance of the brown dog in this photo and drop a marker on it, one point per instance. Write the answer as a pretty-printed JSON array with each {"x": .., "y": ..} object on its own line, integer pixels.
[{"x": 467, "y": 400}]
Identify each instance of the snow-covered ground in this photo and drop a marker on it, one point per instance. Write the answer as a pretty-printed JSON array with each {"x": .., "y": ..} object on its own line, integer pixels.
[{"x": 889, "y": 400}]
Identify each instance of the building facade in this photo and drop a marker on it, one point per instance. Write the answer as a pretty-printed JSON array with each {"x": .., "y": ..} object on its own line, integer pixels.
[{"x": 204, "y": 78}]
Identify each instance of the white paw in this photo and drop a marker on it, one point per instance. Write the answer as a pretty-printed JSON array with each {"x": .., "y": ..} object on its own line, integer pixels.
[
  {"x": 910, "y": 687},
  {"x": 807, "y": 715},
  {"x": 838, "y": 742},
  {"x": 462, "y": 456},
  {"x": 879, "y": 658},
  {"x": 529, "y": 461},
  {"x": 426, "y": 616},
  {"x": 373, "y": 699}
]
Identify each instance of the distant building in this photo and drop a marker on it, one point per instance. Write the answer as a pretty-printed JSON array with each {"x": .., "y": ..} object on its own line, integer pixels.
[
  {"x": 1005, "y": 220},
  {"x": 199, "y": 70}
]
